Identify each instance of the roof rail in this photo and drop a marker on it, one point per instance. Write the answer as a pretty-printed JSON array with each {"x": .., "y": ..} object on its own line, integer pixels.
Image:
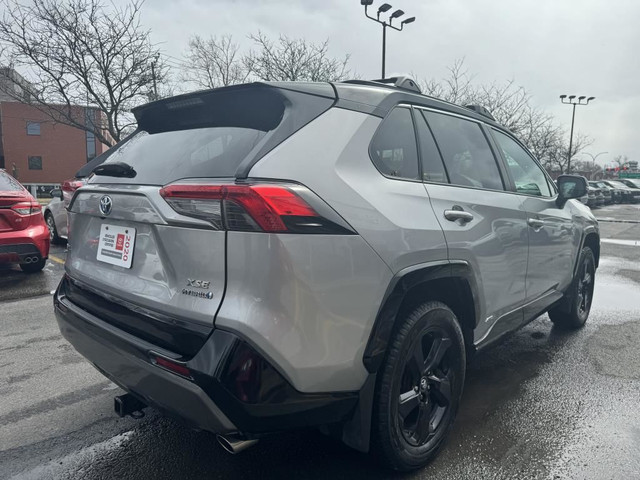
[
  {"x": 402, "y": 81},
  {"x": 481, "y": 110}
]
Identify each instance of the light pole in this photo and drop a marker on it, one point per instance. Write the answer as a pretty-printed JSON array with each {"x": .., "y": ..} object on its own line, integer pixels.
[
  {"x": 385, "y": 7},
  {"x": 571, "y": 100},
  {"x": 593, "y": 157}
]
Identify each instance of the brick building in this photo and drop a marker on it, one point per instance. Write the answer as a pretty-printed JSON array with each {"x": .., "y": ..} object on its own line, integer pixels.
[{"x": 38, "y": 150}]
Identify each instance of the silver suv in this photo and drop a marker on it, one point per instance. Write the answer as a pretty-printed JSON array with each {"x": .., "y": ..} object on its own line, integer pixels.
[{"x": 271, "y": 256}]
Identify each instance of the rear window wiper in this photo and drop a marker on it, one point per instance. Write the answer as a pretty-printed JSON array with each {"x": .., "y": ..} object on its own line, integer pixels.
[{"x": 115, "y": 169}]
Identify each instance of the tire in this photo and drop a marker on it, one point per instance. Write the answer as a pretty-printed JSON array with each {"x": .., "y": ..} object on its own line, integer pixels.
[
  {"x": 581, "y": 294},
  {"x": 33, "y": 267},
  {"x": 53, "y": 231},
  {"x": 415, "y": 407}
]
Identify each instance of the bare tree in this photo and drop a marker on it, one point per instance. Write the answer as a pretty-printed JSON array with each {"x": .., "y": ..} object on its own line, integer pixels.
[
  {"x": 511, "y": 105},
  {"x": 620, "y": 160},
  {"x": 456, "y": 87},
  {"x": 214, "y": 62},
  {"x": 557, "y": 157},
  {"x": 79, "y": 52},
  {"x": 293, "y": 60}
]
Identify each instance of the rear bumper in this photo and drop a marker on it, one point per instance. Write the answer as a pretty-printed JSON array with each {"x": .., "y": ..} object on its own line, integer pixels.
[
  {"x": 17, "y": 245},
  {"x": 232, "y": 387}
]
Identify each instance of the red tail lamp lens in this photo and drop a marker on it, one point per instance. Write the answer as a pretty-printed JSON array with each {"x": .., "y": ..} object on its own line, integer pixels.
[{"x": 265, "y": 204}]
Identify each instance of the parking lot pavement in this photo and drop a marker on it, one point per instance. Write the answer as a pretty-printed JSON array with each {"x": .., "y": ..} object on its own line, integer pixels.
[
  {"x": 544, "y": 404},
  {"x": 618, "y": 213},
  {"x": 15, "y": 284}
]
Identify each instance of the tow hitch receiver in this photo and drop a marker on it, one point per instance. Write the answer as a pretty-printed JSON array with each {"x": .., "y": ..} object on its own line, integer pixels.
[{"x": 127, "y": 404}]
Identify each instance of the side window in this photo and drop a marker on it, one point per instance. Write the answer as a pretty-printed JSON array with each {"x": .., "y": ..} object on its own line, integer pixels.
[
  {"x": 393, "y": 149},
  {"x": 432, "y": 166},
  {"x": 527, "y": 175},
  {"x": 465, "y": 151}
]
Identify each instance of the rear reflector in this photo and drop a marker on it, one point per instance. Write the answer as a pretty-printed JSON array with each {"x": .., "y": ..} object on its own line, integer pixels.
[{"x": 171, "y": 365}]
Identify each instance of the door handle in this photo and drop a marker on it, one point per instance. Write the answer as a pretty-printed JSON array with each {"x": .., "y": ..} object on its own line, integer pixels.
[
  {"x": 454, "y": 215},
  {"x": 535, "y": 223}
]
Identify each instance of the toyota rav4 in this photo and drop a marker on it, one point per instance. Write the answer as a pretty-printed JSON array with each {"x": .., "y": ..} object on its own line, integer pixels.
[{"x": 271, "y": 256}]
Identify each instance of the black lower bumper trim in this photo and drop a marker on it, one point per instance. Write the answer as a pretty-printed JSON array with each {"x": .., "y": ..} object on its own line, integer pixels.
[
  {"x": 20, "y": 251},
  {"x": 255, "y": 396},
  {"x": 231, "y": 380}
]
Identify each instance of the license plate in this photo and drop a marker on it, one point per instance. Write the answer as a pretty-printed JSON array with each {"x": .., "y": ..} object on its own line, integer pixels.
[{"x": 115, "y": 245}]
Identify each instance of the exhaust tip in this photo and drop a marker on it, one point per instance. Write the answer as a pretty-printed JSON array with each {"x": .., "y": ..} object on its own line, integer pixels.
[{"x": 234, "y": 444}]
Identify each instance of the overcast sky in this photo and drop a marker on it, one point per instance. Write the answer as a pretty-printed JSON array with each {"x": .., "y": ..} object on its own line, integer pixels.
[{"x": 551, "y": 47}]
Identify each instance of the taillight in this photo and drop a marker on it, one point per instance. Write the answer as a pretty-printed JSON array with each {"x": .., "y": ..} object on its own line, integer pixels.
[
  {"x": 71, "y": 185},
  {"x": 257, "y": 207},
  {"x": 26, "y": 208},
  {"x": 68, "y": 187}
]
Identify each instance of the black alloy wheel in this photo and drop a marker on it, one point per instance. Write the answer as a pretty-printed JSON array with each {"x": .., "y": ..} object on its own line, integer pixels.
[
  {"x": 426, "y": 387},
  {"x": 419, "y": 387},
  {"x": 584, "y": 296},
  {"x": 579, "y": 297}
]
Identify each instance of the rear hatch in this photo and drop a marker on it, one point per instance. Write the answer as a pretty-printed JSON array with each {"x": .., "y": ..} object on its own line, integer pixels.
[{"x": 153, "y": 265}]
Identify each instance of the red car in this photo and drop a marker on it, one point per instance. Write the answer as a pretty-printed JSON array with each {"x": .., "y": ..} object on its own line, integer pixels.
[{"x": 24, "y": 236}]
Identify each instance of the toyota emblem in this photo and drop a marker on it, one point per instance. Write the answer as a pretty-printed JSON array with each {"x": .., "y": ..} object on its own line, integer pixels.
[{"x": 105, "y": 205}]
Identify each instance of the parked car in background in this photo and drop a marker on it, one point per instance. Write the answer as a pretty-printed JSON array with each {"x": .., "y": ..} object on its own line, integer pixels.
[
  {"x": 629, "y": 194},
  {"x": 24, "y": 237},
  {"x": 590, "y": 198},
  {"x": 55, "y": 212},
  {"x": 631, "y": 182},
  {"x": 251, "y": 260},
  {"x": 600, "y": 200},
  {"x": 611, "y": 195}
]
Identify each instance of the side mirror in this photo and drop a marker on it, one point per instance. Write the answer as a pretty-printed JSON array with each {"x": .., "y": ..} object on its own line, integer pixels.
[
  {"x": 570, "y": 186},
  {"x": 56, "y": 193}
]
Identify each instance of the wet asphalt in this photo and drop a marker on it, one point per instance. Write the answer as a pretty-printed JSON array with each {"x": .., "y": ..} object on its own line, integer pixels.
[{"x": 544, "y": 404}]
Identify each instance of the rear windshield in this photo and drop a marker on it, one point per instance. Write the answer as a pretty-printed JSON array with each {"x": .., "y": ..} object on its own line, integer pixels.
[
  {"x": 216, "y": 133},
  {"x": 9, "y": 184},
  {"x": 161, "y": 158}
]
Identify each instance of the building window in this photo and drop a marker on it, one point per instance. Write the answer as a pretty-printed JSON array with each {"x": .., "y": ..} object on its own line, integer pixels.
[
  {"x": 35, "y": 163},
  {"x": 33, "y": 128}
]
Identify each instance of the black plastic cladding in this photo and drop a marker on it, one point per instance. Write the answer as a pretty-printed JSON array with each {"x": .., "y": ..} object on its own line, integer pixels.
[
  {"x": 404, "y": 281},
  {"x": 254, "y": 395},
  {"x": 179, "y": 336}
]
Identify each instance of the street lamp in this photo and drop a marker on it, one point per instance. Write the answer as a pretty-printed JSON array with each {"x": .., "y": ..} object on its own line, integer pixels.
[
  {"x": 571, "y": 100},
  {"x": 593, "y": 157},
  {"x": 385, "y": 7}
]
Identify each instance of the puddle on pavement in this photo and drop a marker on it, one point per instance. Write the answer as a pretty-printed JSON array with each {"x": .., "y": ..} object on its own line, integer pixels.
[{"x": 614, "y": 352}]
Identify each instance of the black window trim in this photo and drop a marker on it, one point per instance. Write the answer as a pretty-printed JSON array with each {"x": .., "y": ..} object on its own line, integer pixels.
[
  {"x": 512, "y": 182},
  {"x": 506, "y": 181},
  {"x": 415, "y": 134},
  {"x": 414, "y": 113}
]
